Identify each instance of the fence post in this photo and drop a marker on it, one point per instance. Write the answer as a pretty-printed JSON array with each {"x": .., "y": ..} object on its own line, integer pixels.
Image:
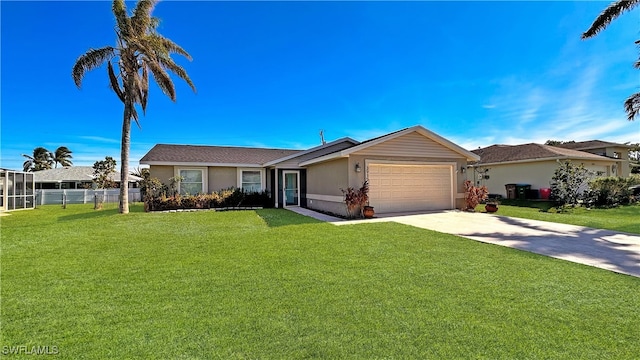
[{"x": 64, "y": 200}]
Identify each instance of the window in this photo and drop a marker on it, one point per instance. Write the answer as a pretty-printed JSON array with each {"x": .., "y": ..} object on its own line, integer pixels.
[
  {"x": 617, "y": 155},
  {"x": 251, "y": 180},
  {"x": 192, "y": 182}
]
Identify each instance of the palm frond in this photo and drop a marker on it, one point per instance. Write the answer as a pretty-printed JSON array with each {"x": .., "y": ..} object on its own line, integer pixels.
[
  {"x": 170, "y": 46},
  {"x": 168, "y": 63},
  {"x": 632, "y": 106},
  {"x": 113, "y": 81},
  {"x": 123, "y": 22},
  {"x": 134, "y": 116},
  {"x": 141, "y": 20},
  {"x": 89, "y": 61},
  {"x": 62, "y": 156},
  {"x": 27, "y": 166},
  {"x": 614, "y": 10},
  {"x": 161, "y": 78},
  {"x": 144, "y": 89}
]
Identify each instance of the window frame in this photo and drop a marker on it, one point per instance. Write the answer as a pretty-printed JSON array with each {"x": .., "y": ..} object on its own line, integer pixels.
[
  {"x": 205, "y": 177},
  {"x": 262, "y": 177}
]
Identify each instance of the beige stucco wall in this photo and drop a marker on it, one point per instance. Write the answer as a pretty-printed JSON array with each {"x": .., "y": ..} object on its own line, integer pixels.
[
  {"x": 623, "y": 169},
  {"x": 218, "y": 177},
  {"x": 324, "y": 181},
  {"x": 328, "y": 178},
  {"x": 162, "y": 172},
  {"x": 537, "y": 174},
  {"x": 222, "y": 178}
]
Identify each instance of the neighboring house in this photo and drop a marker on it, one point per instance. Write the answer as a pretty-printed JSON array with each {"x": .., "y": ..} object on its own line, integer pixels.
[
  {"x": 73, "y": 177},
  {"x": 619, "y": 152},
  {"x": 408, "y": 170},
  {"x": 16, "y": 190},
  {"x": 532, "y": 164}
]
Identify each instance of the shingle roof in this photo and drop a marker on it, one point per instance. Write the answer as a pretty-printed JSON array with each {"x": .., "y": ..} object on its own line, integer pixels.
[
  {"x": 591, "y": 144},
  {"x": 511, "y": 153},
  {"x": 72, "y": 173},
  {"x": 213, "y": 154}
]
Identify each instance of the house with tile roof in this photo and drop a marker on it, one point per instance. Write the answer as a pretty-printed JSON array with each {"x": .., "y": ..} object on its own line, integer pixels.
[
  {"x": 73, "y": 177},
  {"x": 411, "y": 169},
  {"x": 534, "y": 165},
  {"x": 620, "y": 152}
]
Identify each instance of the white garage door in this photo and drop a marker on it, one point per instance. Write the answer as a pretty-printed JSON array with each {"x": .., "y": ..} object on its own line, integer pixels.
[{"x": 399, "y": 187}]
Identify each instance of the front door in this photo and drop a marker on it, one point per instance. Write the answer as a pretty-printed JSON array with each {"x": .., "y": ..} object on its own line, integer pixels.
[{"x": 291, "y": 188}]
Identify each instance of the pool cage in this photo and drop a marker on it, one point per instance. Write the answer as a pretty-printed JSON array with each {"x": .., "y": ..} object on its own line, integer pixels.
[{"x": 16, "y": 190}]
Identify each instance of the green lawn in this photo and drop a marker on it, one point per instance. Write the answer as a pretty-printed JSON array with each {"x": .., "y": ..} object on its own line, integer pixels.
[
  {"x": 623, "y": 218},
  {"x": 271, "y": 284}
]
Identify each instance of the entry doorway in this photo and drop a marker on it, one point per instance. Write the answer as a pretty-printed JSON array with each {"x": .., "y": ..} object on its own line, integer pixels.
[{"x": 291, "y": 188}]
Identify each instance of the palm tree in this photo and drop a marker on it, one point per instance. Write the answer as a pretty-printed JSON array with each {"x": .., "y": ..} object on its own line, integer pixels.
[
  {"x": 140, "y": 49},
  {"x": 40, "y": 160},
  {"x": 62, "y": 156},
  {"x": 615, "y": 9}
]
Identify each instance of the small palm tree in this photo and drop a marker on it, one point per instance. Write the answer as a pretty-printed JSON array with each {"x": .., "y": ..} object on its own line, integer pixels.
[
  {"x": 615, "y": 9},
  {"x": 62, "y": 156},
  {"x": 140, "y": 50},
  {"x": 40, "y": 160}
]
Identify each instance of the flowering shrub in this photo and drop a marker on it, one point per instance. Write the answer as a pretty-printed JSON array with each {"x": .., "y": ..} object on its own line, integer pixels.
[{"x": 473, "y": 195}]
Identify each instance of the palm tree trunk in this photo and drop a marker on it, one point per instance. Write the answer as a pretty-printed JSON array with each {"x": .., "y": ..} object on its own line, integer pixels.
[{"x": 124, "y": 159}]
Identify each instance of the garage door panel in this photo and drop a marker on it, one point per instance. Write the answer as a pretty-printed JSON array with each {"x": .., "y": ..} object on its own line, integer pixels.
[{"x": 397, "y": 188}]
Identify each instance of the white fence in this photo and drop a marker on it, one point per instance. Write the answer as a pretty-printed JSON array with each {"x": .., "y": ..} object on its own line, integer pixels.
[{"x": 56, "y": 196}]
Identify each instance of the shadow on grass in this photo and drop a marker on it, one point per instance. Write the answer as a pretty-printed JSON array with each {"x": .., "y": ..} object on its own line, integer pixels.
[
  {"x": 541, "y": 205},
  {"x": 279, "y": 217},
  {"x": 89, "y": 214}
]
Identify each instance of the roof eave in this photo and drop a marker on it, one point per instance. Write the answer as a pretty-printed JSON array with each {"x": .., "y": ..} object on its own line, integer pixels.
[
  {"x": 304, "y": 152},
  {"x": 328, "y": 157},
  {"x": 541, "y": 159},
  {"x": 188, "y": 163}
]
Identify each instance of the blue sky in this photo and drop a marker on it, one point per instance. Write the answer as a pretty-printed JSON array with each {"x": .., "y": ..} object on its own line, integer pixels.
[{"x": 273, "y": 74}]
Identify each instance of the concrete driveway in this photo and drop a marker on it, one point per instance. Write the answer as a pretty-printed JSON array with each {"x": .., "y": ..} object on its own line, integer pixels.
[{"x": 619, "y": 252}]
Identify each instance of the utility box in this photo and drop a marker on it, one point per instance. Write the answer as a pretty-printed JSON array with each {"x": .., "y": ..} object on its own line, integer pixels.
[{"x": 511, "y": 191}]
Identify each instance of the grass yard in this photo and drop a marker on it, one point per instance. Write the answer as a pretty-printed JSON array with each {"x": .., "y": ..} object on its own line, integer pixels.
[
  {"x": 272, "y": 284},
  {"x": 623, "y": 218}
]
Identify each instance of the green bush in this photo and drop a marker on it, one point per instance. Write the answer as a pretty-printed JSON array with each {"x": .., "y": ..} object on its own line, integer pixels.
[
  {"x": 569, "y": 184},
  {"x": 612, "y": 191},
  {"x": 225, "y": 198}
]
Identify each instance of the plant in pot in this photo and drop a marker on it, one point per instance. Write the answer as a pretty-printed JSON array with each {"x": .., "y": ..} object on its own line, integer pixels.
[
  {"x": 491, "y": 205},
  {"x": 357, "y": 201}
]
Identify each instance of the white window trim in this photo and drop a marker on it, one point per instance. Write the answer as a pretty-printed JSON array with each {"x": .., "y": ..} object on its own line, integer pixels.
[
  {"x": 263, "y": 185},
  {"x": 205, "y": 176}
]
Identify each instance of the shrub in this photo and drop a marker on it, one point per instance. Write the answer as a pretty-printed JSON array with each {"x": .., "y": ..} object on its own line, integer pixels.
[
  {"x": 356, "y": 199},
  {"x": 612, "y": 191},
  {"x": 231, "y": 197},
  {"x": 473, "y": 195},
  {"x": 569, "y": 184}
]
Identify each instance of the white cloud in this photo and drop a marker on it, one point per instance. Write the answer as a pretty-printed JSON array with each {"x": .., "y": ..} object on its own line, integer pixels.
[{"x": 100, "y": 139}]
